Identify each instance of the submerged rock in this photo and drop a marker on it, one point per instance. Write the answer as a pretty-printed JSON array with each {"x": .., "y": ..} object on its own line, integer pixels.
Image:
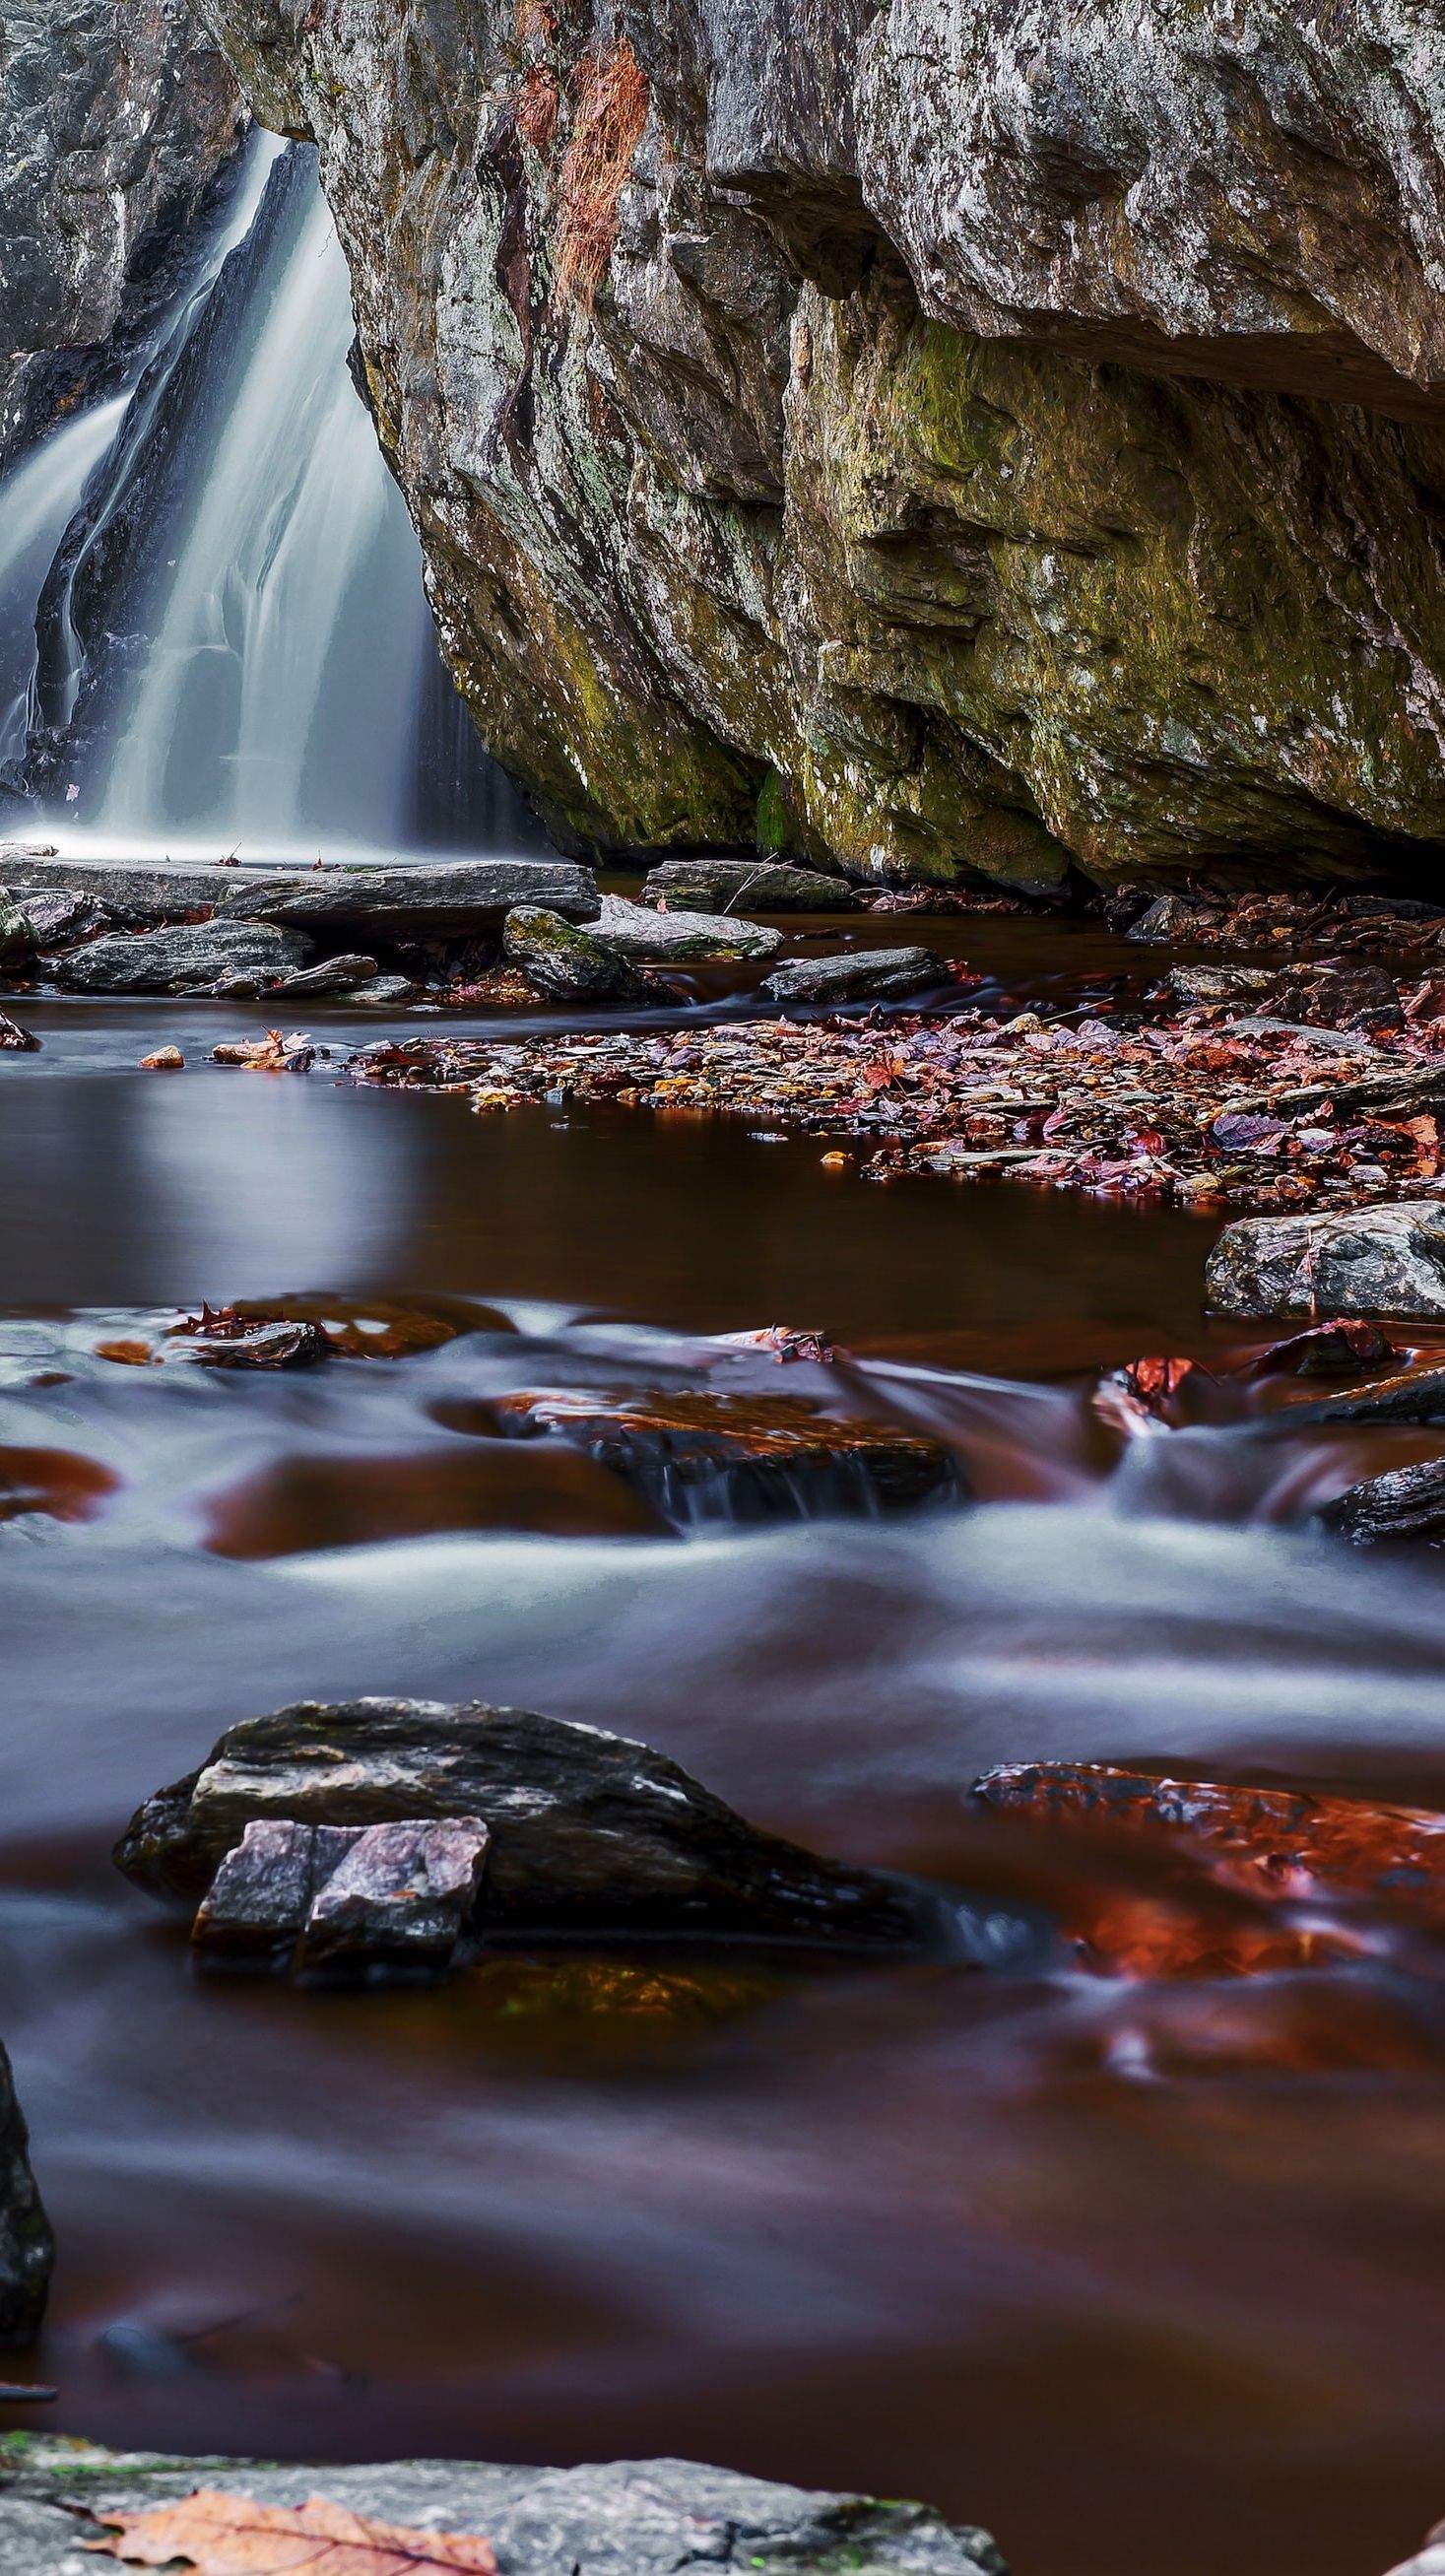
[
  {"x": 1405, "y": 1503},
  {"x": 756, "y": 885},
  {"x": 744, "y": 1458},
  {"x": 338, "y": 1900},
  {"x": 181, "y": 961},
  {"x": 591, "y": 1833},
  {"x": 568, "y": 964},
  {"x": 622, "y": 2518},
  {"x": 1385, "y": 1260},
  {"x": 859, "y": 975},
  {"x": 684, "y": 937},
  {"x": 27, "y": 2249}
]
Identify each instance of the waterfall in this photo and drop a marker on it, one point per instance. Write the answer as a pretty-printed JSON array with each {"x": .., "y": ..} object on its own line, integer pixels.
[{"x": 213, "y": 633}]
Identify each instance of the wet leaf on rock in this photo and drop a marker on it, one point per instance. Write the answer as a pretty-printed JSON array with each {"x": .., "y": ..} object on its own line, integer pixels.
[{"x": 219, "y": 2534}]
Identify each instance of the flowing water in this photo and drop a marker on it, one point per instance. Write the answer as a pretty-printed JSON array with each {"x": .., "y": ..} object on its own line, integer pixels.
[
  {"x": 1143, "y": 2276},
  {"x": 213, "y": 633}
]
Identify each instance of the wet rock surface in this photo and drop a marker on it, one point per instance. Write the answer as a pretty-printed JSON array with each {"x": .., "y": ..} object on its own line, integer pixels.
[
  {"x": 753, "y": 885},
  {"x": 861, "y": 975},
  {"x": 684, "y": 935},
  {"x": 747, "y": 1458},
  {"x": 1405, "y": 1503},
  {"x": 27, "y": 2249},
  {"x": 115, "y": 116},
  {"x": 731, "y": 358},
  {"x": 458, "y": 899},
  {"x": 338, "y": 1901},
  {"x": 591, "y": 1833},
  {"x": 344, "y": 905},
  {"x": 623, "y": 2518},
  {"x": 184, "y": 960},
  {"x": 1384, "y": 1260},
  {"x": 568, "y": 964}
]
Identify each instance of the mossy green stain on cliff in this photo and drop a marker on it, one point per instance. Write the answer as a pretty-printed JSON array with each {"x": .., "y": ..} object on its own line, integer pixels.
[{"x": 1170, "y": 635}]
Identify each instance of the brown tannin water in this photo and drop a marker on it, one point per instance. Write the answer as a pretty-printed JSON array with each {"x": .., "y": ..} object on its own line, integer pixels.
[{"x": 1145, "y": 2277}]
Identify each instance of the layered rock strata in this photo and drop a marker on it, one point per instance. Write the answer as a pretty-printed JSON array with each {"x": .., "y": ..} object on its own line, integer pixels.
[{"x": 940, "y": 440}]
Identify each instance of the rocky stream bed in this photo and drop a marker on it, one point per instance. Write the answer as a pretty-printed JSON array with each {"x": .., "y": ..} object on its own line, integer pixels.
[{"x": 792, "y": 1819}]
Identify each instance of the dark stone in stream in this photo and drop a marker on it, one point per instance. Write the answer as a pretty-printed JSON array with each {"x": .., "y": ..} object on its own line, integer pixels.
[
  {"x": 182, "y": 960},
  {"x": 16, "y": 1041},
  {"x": 621, "y": 2518},
  {"x": 568, "y": 964},
  {"x": 592, "y": 1834},
  {"x": 282, "y": 1344},
  {"x": 752, "y": 885},
  {"x": 1386, "y": 1260},
  {"x": 338, "y": 1900},
  {"x": 862, "y": 975},
  {"x": 1406, "y": 1503},
  {"x": 740, "y": 1457},
  {"x": 27, "y": 2249}
]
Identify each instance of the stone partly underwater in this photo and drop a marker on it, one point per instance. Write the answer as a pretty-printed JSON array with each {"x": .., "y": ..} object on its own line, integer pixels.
[{"x": 942, "y": 440}]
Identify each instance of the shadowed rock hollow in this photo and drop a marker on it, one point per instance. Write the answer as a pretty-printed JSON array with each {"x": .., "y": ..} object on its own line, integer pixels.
[{"x": 934, "y": 441}]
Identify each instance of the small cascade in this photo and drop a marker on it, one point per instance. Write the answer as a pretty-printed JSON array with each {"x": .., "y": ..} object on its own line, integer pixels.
[{"x": 213, "y": 631}]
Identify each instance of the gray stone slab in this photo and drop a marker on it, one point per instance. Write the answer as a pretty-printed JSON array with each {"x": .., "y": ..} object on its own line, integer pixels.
[{"x": 624, "y": 2518}]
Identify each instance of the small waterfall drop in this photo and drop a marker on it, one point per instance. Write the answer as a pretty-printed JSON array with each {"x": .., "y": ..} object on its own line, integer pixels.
[{"x": 213, "y": 633}]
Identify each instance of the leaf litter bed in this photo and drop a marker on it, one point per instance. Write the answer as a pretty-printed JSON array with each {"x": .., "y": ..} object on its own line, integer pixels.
[{"x": 1206, "y": 1096}]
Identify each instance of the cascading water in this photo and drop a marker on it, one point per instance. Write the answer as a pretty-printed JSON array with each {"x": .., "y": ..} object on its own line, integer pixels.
[{"x": 212, "y": 624}]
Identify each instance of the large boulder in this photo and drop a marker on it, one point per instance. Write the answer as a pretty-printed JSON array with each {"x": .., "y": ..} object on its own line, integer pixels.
[
  {"x": 623, "y": 2518},
  {"x": 745, "y": 526},
  {"x": 27, "y": 2249},
  {"x": 683, "y": 938},
  {"x": 590, "y": 1832},
  {"x": 567, "y": 964},
  {"x": 1387, "y": 1260},
  {"x": 856, "y": 975},
  {"x": 184, "y": 960},
  {"x": 755, "y": 885}
]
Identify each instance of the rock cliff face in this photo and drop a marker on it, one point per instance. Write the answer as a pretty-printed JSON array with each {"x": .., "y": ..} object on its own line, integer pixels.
[
  {"x": 115, "y": 116},
  {"x": 961, "y": 436}
]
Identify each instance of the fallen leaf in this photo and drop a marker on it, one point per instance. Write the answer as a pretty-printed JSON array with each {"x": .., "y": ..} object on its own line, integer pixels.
[
  {"x": 129, "y": 1354},
  {"x": 232, "y": 2535}
]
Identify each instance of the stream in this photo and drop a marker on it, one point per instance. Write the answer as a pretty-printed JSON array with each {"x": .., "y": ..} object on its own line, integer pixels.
[
  {"x": 1142, "y": 2276},
  {"x": 1042, "y": 2248}
]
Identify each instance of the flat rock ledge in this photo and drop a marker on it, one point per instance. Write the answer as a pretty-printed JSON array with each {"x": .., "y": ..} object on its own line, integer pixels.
[
  {"x": 588, "y": 1835},
  {"x": 624, "y": 2518},
  {"x": 454, "y": 899}
]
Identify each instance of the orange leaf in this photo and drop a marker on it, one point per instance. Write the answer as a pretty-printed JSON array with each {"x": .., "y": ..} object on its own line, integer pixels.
[{"x": 232, "y": 2535}]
